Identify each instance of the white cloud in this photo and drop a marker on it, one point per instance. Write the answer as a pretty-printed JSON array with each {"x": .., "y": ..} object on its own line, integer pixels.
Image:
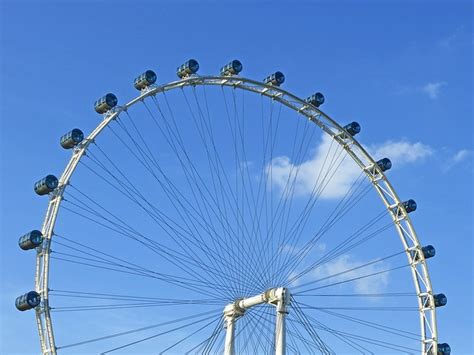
[
  {"x": 336, "y": 178},
  {"x": 461, "y": 155},
  {"x": 458, "y": 157},
  {"x": 433, "y": 89},
  {"x": 373, "y": 284},
  {"x": 401, "y": 152},
  {"x": 317, "y": 170}
]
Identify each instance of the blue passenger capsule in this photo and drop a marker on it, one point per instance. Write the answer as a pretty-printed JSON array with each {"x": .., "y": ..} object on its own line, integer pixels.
[
  {"x": 28, "y": 301},
  {"x": 444, "y": 349},
  {"x": 31, "y": 240},
  {"x": 188, "y": 68},
  {"x": 384, "y": 164},
  {"x": 352, "y": 128},
  {"x": 144, "y": 80},
  {"x": 316, "y": 99},
  {"x": 105, "y": 103},
  {"x": 71, "y": 138},
  {"x": 440, "y": 300},
  {"x": 233, "y": 68},
  {"x": 409, "y": 205},
  {"x": 428, "y": 251},
  {"x": 275, "y": 79},
  {"x": 46, "y": 185}
]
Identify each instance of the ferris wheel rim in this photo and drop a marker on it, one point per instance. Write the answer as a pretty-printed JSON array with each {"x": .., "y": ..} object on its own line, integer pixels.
[{"x": 420, "y": 274}]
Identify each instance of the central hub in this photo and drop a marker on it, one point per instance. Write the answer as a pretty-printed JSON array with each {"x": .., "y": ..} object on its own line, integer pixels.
[{"x": 279, "y": 297}]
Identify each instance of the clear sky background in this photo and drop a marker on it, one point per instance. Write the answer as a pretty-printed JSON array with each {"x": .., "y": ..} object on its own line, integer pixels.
[{"x": 403, "y": 69}]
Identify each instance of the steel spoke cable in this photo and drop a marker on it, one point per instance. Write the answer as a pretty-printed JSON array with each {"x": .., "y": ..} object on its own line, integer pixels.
[
  {"x": 295, "y": 230},
  {"x": 351, "y": 343},
  {"x": 137, "y": 330},
  {"x": 381, "y": 327},
  {"x": 310, "y": 330},
  {"x": 114, "y": 296},
  {"x": 234, "y": 131},
  {"x": 354, "y": 279},
  {"x": 213, "y": 274},
  {"x": 337, "y": 251},
  {"x": 159, "y": 246},
  {"x": 358, "y": 267},
  {"x": 211, "y": 339},
  {"x": 172, "y": 199},
  {"x": 176, "y": 198},
  {"x": 336, "y": 215},
  {"x": 195, "y": 175},
  {"x": 217, "y": 166},
  {"x": 369, "y": 340},
  {"x": 196, "y": 288},
  {"x": 157, "y": 335},
  {"x": 191, "y": 334},
  {"x": 193, "y": 275}
]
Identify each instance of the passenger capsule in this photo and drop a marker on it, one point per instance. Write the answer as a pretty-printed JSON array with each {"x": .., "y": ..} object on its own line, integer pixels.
[
  {"x": 444, "y": 349},
  {"x": 352, "y": 128},
  {"x": 409, "y": 206},
  {"x": 428, "y": 251},
  {"x": 71, "y": 138},
  {"x": 46, "y": 185},
  {"x": 31, "y": 240},
  {"x": 384, "y": 164},
  {"x": 275, "y": 79},
  {"x": 28, "y": 301},
  {"x": 105, "y": 103},
  {"x": 144, "y": 80},
  {"x": 316, "y": 99},
  {"x": 233, "y": 68},
  {"x": 188, "y": 68},
  {"x": 440, "y": 300}
]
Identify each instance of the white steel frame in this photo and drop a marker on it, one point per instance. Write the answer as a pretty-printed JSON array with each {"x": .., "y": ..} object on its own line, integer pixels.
[
  {"x": 401, "y": 220},
  {"x": 279, "y": 297}
]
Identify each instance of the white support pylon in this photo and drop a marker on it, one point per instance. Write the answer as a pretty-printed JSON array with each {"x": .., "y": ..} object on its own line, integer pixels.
[{"x": 279, "y": 297}]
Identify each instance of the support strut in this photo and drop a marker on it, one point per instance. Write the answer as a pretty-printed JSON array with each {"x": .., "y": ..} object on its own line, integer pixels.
[{"x": 279, "y": 297}]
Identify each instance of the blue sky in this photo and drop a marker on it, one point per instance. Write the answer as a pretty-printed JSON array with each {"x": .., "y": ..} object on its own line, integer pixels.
[{"x": 401, "y": 69}]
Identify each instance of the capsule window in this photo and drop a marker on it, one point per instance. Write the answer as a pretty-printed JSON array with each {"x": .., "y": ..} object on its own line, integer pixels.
[
  {"x": 144, "y": 80},
  {"x": 444, "y": 349},
  {"x": 46, "y": 185},
  {"x": 428, "y": 251},
  {"x": 28, "y": 301},
  {"x": 31, "y": 240},
  {"x": 384, "y": 164},
  {"x": 188, "y": 68},
  {"x": 352, "y": 128},
  {"x": 275, "y": 79},
  {"x": 233, "y": 68},
  {"x": 409, "y": 206},
  {"x": 316, "y": 99},
  {"x": 106, "y": 103},
  {"x": 72, "y": 138}
]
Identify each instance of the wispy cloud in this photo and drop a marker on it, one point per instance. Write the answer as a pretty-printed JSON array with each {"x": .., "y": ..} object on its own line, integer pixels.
[
  {"x": 457, "y": 158},
  {"x": 450, "y": 40},
  {"x": 340, "y": 266},
  {"x": 433, "y": 89},
  {"x": 461, "y": 155},
  {"x": 336, "y": 178}
]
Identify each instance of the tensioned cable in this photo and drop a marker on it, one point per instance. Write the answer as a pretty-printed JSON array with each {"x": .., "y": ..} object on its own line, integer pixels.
[{"x": 137, "y": 330}]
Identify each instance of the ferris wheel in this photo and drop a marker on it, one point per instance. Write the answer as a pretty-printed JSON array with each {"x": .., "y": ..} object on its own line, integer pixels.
[{"x": 220, "y": 214}]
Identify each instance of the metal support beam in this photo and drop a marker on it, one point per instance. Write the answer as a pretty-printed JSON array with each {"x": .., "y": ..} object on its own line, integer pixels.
[{"x": 279, "y": 297}]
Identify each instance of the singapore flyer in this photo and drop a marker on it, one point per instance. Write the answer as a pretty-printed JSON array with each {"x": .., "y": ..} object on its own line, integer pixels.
[{"x": 220, "y": 203}]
